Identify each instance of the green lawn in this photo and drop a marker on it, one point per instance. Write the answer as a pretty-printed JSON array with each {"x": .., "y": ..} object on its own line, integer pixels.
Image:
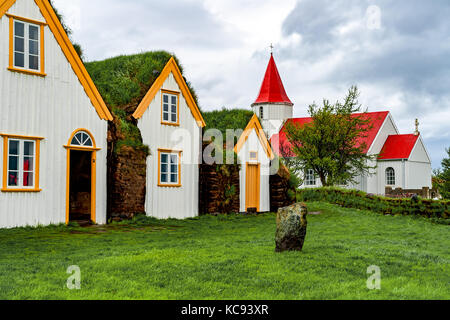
[{"x": 230, "y": 258}]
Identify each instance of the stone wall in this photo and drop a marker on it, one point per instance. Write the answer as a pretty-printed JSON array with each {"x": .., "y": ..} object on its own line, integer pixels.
[
  {"x": 219, "y": 189},
  {"x": 127, "y": 170},
  {"x": 279, "y": 190},
  {"x": 425, "y": 193}
]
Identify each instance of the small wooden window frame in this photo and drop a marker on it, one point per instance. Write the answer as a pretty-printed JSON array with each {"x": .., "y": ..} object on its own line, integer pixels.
[
  {"x": 253, "y": 158},
  {"x": 41, "y": 25},
  {"x": 169, "y": 185},
  {"x": 37, "y": 157},
  {"x": 170, "y": 93}
]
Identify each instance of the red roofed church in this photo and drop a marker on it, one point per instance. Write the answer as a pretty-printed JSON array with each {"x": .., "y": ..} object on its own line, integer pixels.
[{"x": 403, "y": 161}]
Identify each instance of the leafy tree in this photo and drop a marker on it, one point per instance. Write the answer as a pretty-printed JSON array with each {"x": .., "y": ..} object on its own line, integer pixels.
[
  {"x": 444, "y": 186},
  {"x": 330, "y": 144}
]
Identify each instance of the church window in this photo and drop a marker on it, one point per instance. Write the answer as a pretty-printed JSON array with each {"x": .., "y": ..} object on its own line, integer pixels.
[{"x": 390, "y": 177}]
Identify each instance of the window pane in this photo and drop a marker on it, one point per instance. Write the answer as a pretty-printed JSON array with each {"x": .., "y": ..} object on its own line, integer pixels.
[
  {"x": 164, "y": 158},
  {"x": 88, "y": 142},
  {"x": 13, "y": 147},
  {"x": 28, "y": 164},
  {"x": 174, "y": 168},
  {"x": 28, "y": 148},
  {"x": 19, "y": 29},
  {"x": 13, "y": 179},
  {"x": 19, "y": 60},
  {"x": 34, "y": 33},
  {"x": 174, "y": 109},
  {"x": 34, "y": 47},
  {"x": 164, "y": 168},
  {"x": 165, "y": 107},
  {"x": 165, "y": 98},
  {"x": 13, "y": 163},
  {"x": 27, "y": 179},
  {"x": 174, "y": 159},
  {"x": 174, "y": 100},
  {"x": 166, "y": 117},
  {"x": 174, "y": 117},
  {"x": 174, "y": 178},
  {"x": 75, "y": 142},
  {"x": 19, "y": 44},
  {"x": 34, "y": 62},
  {"x": 164, "y": 178}
]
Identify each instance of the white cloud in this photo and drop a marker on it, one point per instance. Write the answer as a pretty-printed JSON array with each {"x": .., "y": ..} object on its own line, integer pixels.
[{"x": 397, "y": 55}]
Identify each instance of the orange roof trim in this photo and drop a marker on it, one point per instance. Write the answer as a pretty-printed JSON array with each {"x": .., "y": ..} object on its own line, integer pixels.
[
  {"x": 171, "y": 67},
  {"x": 63, "y": 40},
  {"x": 254, "y": 124}
]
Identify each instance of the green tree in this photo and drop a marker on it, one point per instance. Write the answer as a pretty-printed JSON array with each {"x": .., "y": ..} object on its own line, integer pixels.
[
  {"x": 330, "y": 145},
  {"x": 444, "y": 186}
]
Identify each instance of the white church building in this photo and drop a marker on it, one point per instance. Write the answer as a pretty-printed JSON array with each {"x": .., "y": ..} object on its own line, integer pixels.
[{"x": 402, "y": 162}]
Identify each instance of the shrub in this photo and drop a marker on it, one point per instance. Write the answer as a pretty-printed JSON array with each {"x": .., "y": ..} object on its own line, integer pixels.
[{"x": 360, "y": 200}]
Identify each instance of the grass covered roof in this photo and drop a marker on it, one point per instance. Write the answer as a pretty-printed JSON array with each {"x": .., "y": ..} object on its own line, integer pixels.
[{"x": 124, "y": 80}]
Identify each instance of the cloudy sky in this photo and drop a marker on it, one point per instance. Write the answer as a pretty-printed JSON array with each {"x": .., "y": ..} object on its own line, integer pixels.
[{"x": 397, "y": 52}]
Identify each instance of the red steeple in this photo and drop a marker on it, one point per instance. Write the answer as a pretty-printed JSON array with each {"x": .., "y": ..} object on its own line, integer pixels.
[{"x": 272, "y": 89}]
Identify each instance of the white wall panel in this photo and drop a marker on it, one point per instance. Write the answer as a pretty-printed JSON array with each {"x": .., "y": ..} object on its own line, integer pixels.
[
  {"x": 165, "y": 202},
  {"x": 253, "y": 144},
  {"x": 52, "y": 107}
]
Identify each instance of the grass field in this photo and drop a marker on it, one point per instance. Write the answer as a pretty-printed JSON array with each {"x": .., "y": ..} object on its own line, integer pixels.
[{"x": 230, "y": 257}]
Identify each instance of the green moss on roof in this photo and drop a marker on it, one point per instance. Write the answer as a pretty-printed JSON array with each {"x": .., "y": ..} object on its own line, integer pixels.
[
  {"x": 227, "y": 119},
  {"x": 124, "y": 80}
]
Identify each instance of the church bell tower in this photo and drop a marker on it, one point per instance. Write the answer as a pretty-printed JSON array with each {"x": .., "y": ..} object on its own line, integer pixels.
[{"x": 273, "y": 107}]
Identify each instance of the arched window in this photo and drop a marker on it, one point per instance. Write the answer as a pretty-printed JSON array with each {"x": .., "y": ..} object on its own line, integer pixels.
[
  {"x": 261, "y": 113},
  {"x": 390, "y": 177},
  {"x": 82, "y": 139}
]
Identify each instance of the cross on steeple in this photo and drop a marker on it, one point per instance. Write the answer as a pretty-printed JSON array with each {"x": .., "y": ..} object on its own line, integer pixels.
[
  {"x": 271, "y": 49},
  {"x": 417, "y": 127}
]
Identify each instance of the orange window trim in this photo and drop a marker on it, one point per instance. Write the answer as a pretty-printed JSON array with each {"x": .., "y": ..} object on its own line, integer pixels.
[
  {"x": 11, "y": 67},
  {"x": 254, "y": 152},
  {"x": 168, "y": 123},
  {"x": 168, "y": 185},
  {"x": 37, "y": 140},
  {"x": 66, "y": 46}
]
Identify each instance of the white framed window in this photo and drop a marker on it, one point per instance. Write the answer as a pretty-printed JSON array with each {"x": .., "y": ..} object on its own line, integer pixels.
[
  {"x": 21, "y": 163},
  {"x": 26, "y": 46},
  {"x": 170, "y": 111},
  {"x": 261, "y": 113},
  {"x": 253, "y": 155},
  {"x": 310, "y": 178},
  {"x": 169, "y": 168},
  {"x": 390, "y": 177}
]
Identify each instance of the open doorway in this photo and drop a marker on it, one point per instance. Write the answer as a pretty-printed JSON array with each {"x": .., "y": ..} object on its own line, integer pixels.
[{"x": 80, "y": 189}]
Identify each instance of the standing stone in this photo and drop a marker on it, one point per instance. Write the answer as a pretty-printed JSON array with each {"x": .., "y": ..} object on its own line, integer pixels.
[{"x": 291, "y": 228}]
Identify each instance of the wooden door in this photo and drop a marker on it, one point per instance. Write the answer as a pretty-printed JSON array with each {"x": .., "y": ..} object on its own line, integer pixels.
[{"x": 252, "y": 189}]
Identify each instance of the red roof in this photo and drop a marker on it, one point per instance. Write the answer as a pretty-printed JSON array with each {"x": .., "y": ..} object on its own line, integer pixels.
[
  {"x": 398, "y": 147},
  {"x": 377, "y": 120},
  {"x": 272, "y": 89}
]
